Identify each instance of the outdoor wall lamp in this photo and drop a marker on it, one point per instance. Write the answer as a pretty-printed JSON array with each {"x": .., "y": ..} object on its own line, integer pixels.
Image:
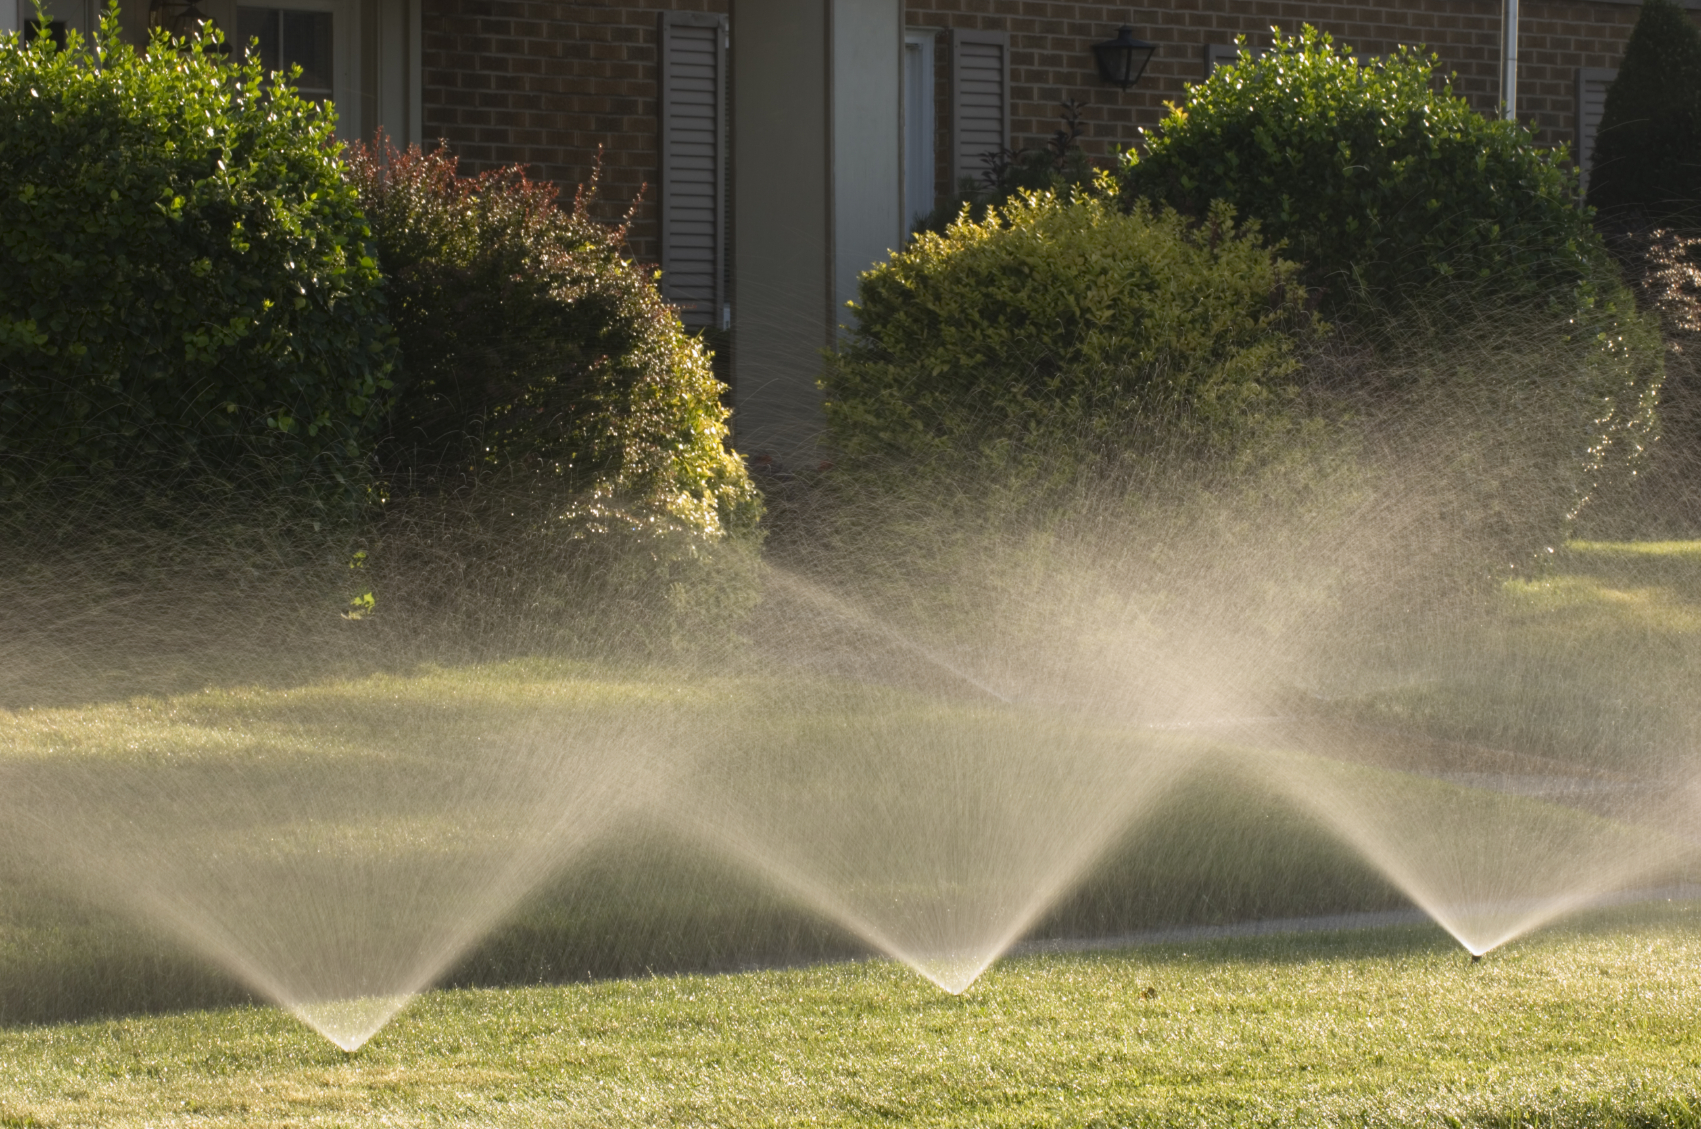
[{"x": 1123, "y": 60}]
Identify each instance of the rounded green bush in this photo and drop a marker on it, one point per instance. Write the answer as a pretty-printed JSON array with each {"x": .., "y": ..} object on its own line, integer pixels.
[
  {"x": 555, "y": 468},
  {"x": 187, "y": 286},
  {"x": 1441, "y": 238},
  {"x": 1382, "y": 185},
  {"x": 535, "y": 353},
  {"x": 1070, "y": 330},
  {"x": 1647, "y": 158}
]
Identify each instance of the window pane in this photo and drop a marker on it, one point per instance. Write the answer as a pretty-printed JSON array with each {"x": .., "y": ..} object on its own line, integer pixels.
[
  {"x": 261, "y": 24},
  {"x": 291, "y": 37},
  {"x": 306, "y": 41}
]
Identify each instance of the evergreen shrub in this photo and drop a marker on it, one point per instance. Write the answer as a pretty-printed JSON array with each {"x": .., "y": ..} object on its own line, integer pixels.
[
  {"x": 188, "y": 291},
  {"x": 556, "y": 459},
  {"x": 1450, "y": 247},
  {"x": 1381, "y": 184},
  {"x": 1647, "y": 158},
  {"x": 535, "y": 351},
  {"x": 1065, "y": 331},
  {"x": 1048, "y": 419}
]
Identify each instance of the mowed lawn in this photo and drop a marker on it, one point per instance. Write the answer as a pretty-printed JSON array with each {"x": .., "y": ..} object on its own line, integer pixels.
[
  {"x": 1593, "y": 660},
  {"x": 1591, "y": 1023},
  {"x": 1592, "y": 1026}
]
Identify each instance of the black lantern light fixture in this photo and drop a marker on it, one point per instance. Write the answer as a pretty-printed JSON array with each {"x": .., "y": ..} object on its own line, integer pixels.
[{"x": 1123, "y": 60}]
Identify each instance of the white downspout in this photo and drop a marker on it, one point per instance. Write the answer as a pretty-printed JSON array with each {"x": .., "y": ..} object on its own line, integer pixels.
[{"x": 1509, "y": 62}]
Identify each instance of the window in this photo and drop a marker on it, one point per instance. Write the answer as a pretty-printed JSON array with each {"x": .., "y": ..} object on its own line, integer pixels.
[
  {"x": 980, "y": 100},
  {"x": 292, "y": 38},
  {"x": 692, "y": 50},
  {"x": 63, "y": 16},
  {"x": 1592, "y": 83},
  {"x": 1220, "y": 55},
  {"x": 918, "y": 126},
  {"x": 320, "y": 37}
]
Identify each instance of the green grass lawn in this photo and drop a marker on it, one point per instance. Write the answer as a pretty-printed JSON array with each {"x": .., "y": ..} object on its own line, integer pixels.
[
  {"x": 1592, "y": 663},
  {"x": 1591, "y": 1026}
]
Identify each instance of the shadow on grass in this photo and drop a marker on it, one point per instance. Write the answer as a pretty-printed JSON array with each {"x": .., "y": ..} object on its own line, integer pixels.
[{"x": 654, "y": 903}]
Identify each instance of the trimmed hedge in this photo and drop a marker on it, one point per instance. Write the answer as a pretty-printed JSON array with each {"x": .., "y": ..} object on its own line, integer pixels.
[
  {"x": 1070, "y": 332},
  {"x": 1452, "y": 249},
  {"x": 535, "y": 353},
  {"x": 555, "y": 469},
  {"x": 188, "y": 289},
  {"x": 1386, "y": 188}
]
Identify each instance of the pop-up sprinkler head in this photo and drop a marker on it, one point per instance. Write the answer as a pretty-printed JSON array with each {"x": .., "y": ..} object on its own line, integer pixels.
[{"x": 1476, "y": 958}]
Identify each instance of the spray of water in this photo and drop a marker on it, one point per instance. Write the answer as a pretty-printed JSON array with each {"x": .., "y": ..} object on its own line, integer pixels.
[
  {"x": 937, "y": 832},
  {"x": 335, "y": 848},
  {"x": 1483, "y": 856},
  {"x": 956, "y": 705}
]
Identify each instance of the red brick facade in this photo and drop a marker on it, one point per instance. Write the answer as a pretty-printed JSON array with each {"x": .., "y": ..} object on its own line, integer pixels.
[
  {"x": 544, "y": 82},
  {"x": 1051, "y": 59}
]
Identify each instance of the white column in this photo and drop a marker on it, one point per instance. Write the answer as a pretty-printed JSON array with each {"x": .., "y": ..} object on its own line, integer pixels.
[
  {"x": 817, "y": 180},
  {"x": 389, "y": 70}
]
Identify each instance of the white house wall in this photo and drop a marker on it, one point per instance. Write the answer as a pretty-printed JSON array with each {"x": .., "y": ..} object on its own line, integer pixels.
[
  {"x": 781, "y": 223},
  {"x": 818, "y": 176}
]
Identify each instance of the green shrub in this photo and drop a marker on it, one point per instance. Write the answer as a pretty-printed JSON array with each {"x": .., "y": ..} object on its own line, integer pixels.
[
  {"x": 1452, "y": 248},
  {"x": 535, "y": 353},
  {"x": 555, "y": 467},
  {"x": 1489, "y": 435},
  {"x": 1034, "y": 411},
  {"x": 1383, "y": 186},
  {"x": 187, "y": 288},
  {"x": 1647, "y": 157},
  {"x": 1064, "y": 330}
]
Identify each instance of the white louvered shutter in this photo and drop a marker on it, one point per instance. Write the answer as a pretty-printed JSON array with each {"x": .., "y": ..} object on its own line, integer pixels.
[
  {"x": 692, "y": 49},
  {"x": 1592, "y": 83},
  {"x": 980, "y": 100}
]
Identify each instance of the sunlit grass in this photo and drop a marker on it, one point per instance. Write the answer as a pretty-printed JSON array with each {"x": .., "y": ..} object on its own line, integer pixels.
[
  {"x": 1637, "y": 548},
  {"x": 335, "y": 717},
  {"x": 1596, "y": 659},
  {"x": 1588, "y": 1027},
  {"x": 1592, "y": 660}
]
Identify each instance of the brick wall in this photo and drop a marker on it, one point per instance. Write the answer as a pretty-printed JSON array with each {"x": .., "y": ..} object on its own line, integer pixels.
[
  {"x": 1051, "y": 57},
  {"x": 542, "y": 83}
]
